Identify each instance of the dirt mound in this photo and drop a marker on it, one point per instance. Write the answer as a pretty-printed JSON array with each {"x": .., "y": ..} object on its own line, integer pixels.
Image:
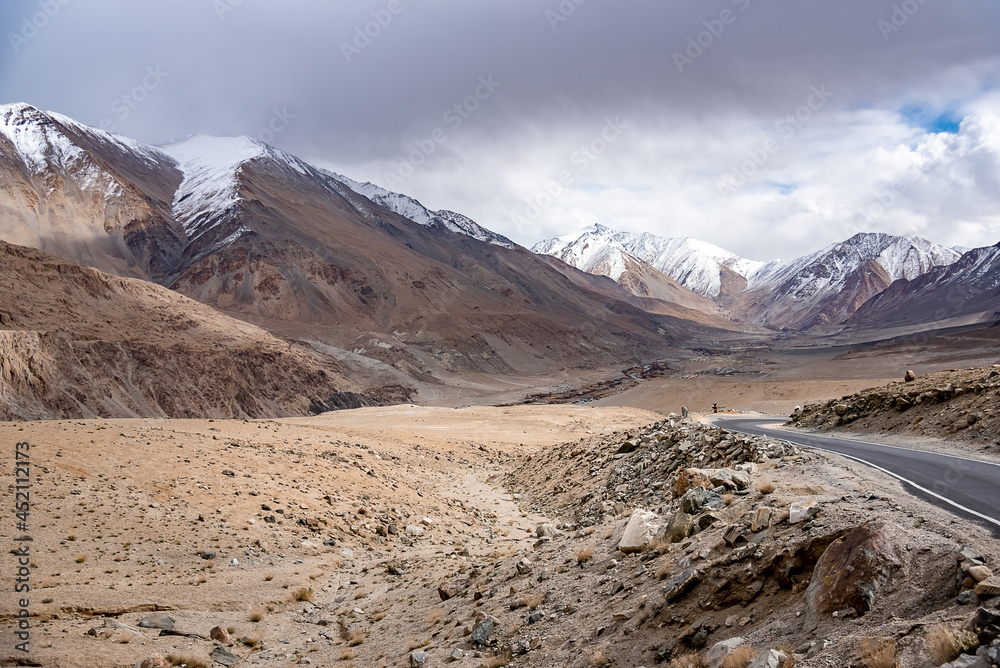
[{"x": 959, "y": 404}]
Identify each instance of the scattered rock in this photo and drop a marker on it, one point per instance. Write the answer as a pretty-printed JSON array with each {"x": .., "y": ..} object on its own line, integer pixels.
[
  {"x": 221, "y": 635},
  {"x": 678, "y": 527},
  {"x": 418, "y": 658},
  {"x": 980, "y": 573},
  {"x": 448, "y": 590},
  {"x": 761, "y": 519},
  {"x": 720, "y": 650},
  {"x": 910, "y": 376},
  {"x": 456, "y": 655},
  {"x": 642, "y": 527},
  {"x": 988, "y": 587},
  {"x": 772, "y": 658},
  {"x": 208, "y": 555},
  {"x": 154, "y": 661},
  {"x": 157, "y": 621},
  {"x": 481, "y": 635},
  {"x": 681, "y": 585},
  {"x": 545, "y": 531},
  {"x": 223, "y": 656},
  {"x": 802, "y": 511},
  {"x": 414, "y": 530},
  {"x": 524, "y": 566}
]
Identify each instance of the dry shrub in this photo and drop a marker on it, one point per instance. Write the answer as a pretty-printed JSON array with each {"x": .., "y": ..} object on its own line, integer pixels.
[
  {"x": 740, "y": 657},
  {"x": 878, "y": 653},
  {"x": 584, "y": 554},
  {"x": 659, "y": 545},
  {"x": 186, "y": 660},
  {"x": 347, "y": 654},
  {"x": 689, "y": 479},
  {"x": 252, "y": 640},
  {"x": 355, "y": 637},
  {"x": 304, "y": 594},
  {"x": 664, "y": 571},
  {"x": 765, "y": 487},
  {"x": 434, "y": 616},
  {"x": 944, "y": 644},
  {"x": 257, "y": 613},
  {"x": 728, "y": 499},
  {"x": 532, "y": 601},
  {"x": 599, "y": 658},
  {"x": 690, "y": 660},
  {"x": 499, "y": 660}
]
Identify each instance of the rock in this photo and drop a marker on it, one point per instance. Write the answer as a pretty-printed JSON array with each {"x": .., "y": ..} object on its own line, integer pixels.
[
  {"x": 988, "y": 587},
  {"x": 852, "y": 571},
  {"x": 772, "y": 658},
  {"x": 392, "y": 529},
  {"x": 986, "y": 625},
  {"x": 221, "y": 635},
  {"x": 678, "y": 527},
  {"x": 694, "y": 499},
  {"x": 224, "y": 656},
  {"x": 967, "y": 661},
  {"x": 481, "y": 635},
  {"x": 418, "y": 658},
  {"x": 545, "y": 531},
  {"x": 208, "y": 555},
  {"x": 154, "y": 661},
  {"x": 456, "y": 655},
  {"x": 684, "y": 412},
  {"x": 980, "y": 573},
  {"x": 720, "y": 650},
  {"x": 741, "y": 479},
  {"x": 910, "y": 376},
  {"x": 524, "y": 566},
  {"x": 448, "y": 590},
  {"x": 802, "y": 511},
  {"x": 642, "y": 527},
  {"x": 761, "y": 519},
  {"x": 735, "y": 536},
  {"x": 630, "y": 445},
  {"x": 414, "y": 530},
  {"x": 841, "y": 409},
  {"x": 157, "y": 621},
  {"x": 535, "y": 617},
  {"x": 681, "y": 585}
]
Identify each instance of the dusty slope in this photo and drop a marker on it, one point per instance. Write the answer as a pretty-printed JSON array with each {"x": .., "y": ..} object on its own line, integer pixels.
[
  {"x": 79, "y": 343},
  {"x": 123, "y": 534}
]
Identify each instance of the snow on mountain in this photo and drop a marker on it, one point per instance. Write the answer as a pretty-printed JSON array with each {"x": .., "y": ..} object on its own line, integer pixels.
[
  {"x": 408, "y": 207},
  {"x": 697, "y": 265},
  {"x": 41, "y": 140}
]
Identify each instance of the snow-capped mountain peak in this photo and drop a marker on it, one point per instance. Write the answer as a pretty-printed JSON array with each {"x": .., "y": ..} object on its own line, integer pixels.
[
  {"x": 409, "y": 207},
  {"x": 697, "y": 265}
]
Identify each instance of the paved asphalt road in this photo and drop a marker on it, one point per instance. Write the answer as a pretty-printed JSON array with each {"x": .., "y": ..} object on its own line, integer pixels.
[{"x": 966, "y": 487}]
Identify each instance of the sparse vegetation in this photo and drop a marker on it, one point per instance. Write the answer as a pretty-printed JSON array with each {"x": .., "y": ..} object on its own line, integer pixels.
[
  {"x": 690, "y": 660},
  {"x": 347, "y": 654},
  {"x": 664, "y": 571},
  {"x": 499, "y": 660},
  {"x": 304, "y": 594},
  {"x": 599, "y": 658},
  {"x": 584, "y": 554},
  {"x": 878, "y": 653},
  {"x": 765, "y": 487},
  {"x": 434, "y": 616},
  {"x": 186, "y": 660},
  {"x": 944, "y": 644},
  {"x": 257, "y": 614},
  {"x": 355, "y": 637},
  {"x": 740, "y": 657},
  {"x": 728, "y": 499}
]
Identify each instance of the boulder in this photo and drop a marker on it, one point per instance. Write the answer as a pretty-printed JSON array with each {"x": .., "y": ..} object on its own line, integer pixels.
[
  {"x": 642, "y": 527},
  {"x": 852, "y": 571},
  {"x": 545, "y": 531},
  {"x": 157, "y": 621},
  {"x": 986, "y": 625},
  {"x": 678, "y": 527},
  {"x": 694, "y": 499},
  {"x": 761, "y": 519},
  {"x": 418, "y": 658},
  {"x": 910, "y": 376},
  {"x": 772, "y": 658},
  {"x": 414, "y": 530},
  {"x": 735, "y": 536},
  {"x": 968, "y": 661},
  {"x": 980, "y": 573},
  {"x": 841, "y": 409},
  {"x": 801, "y": 511},
  {"x": 721, "y": 650},
  {"x": 223, "y": 656},
  {"x": 524, "y": 566},
  {"x": 448, "y": 590},
  {"x": 988, "y": 587},
  {"x": 681, "y": 585},
  {"x": 481, "y": 635},
  {"x": 221, "y": 635}
]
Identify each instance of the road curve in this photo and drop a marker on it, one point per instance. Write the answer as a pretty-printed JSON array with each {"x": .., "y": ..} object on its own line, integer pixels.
[{"x": 966, "y": 487}]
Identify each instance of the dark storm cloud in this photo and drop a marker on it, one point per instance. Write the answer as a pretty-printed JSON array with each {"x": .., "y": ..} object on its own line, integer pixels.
[{"x": 361, "y": 84}]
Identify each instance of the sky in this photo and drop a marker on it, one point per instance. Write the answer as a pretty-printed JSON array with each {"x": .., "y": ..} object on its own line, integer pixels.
[{"x": 768, "y": 128}]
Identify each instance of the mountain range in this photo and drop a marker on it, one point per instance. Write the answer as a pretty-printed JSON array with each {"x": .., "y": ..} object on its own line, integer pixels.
[{"x": 384, "y": 296}]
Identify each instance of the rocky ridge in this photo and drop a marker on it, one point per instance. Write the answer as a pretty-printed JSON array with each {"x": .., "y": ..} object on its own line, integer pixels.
[{"x": 963, "y": 405}]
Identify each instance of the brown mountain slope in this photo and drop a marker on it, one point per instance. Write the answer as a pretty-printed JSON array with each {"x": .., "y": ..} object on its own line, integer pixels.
[{"x": 75, "y": 342}]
